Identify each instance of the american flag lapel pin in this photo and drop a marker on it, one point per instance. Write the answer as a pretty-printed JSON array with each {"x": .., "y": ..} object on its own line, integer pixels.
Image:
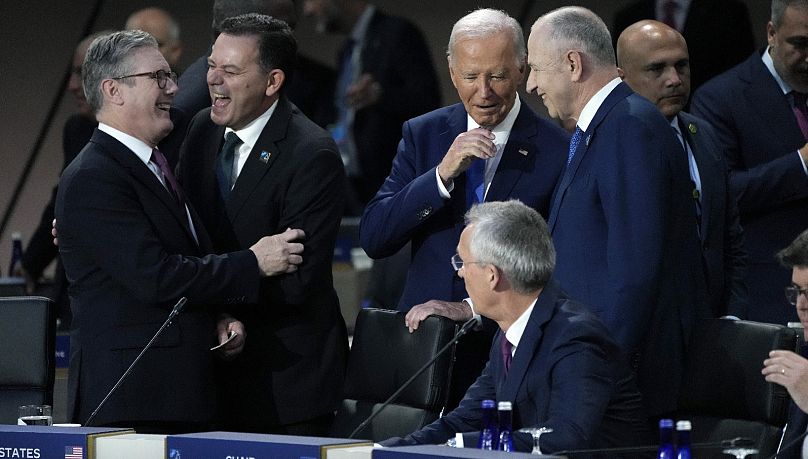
[
  {"x": 264, "y": 156},
  {"x": 523, "y": 152}
]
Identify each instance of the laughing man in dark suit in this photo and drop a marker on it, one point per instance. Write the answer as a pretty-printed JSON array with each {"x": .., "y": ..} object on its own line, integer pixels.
[{"x": 283, "y": 171}]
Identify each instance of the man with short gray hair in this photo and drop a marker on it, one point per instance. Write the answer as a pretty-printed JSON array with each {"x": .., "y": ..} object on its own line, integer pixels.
[
  {"x": 622, "y": 218},
  {"x": 551, "y": 357}
]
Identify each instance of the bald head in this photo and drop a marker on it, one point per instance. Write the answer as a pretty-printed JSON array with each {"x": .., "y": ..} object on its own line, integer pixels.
[
  {"x": 653, "y": 60},
  {"x": 161, "y": 26}
]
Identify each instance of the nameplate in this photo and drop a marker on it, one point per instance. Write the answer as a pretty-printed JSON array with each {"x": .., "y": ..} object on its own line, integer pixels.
[
  {"x": 440, "y": 452},
  {"x": 45, "y": 442},
  {"x": 233, "y": 445}
]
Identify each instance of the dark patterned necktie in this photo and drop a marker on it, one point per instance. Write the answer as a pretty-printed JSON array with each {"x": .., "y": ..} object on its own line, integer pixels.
[
  {"x": 174, "y": 188},
  {"x": 798, "y": 105},
  {"x": 574, "y": 141},
  {"x": 224, "y": 163},
  {"x": 505, "y": 347}
]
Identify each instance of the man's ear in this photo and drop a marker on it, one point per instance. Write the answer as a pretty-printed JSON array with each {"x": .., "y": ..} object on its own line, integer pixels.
[
  {"x": 275, "y": 80},
  {"x": 573, "y": 63},
  {"x": 111, "y": 91}
]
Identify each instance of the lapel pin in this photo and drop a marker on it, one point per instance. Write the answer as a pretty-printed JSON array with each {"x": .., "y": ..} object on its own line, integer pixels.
[
  {"x": 523, "y": 152},
  {"x": 264, "y": 157},
  {"x": 692, "y": 128}
]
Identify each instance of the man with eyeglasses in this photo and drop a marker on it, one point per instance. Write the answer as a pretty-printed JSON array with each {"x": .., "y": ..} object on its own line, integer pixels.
[
  {"x": 132, "y": 246},
  {"x": 551, "y": 356},
  {"x": 787, "y": 368}
]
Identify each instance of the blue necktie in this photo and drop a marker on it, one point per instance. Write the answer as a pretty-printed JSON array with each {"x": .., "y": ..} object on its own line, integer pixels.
[
  {"x": 475, "y": 182},
  {"x": 574, "y": 141},
  {"x": 224, "y": 163}
]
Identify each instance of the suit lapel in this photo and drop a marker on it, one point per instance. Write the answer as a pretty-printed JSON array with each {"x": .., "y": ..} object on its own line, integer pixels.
[
  {"x": 262, "y": 157},
  {"x": 706, "y": 165},
  {"x": 516, "y": 155},
  {"x": 777, "y": 114},
  {"x": 619, "y": 93},
  {"x": 456, "y": 124},
  {"x": 529, "y": 342},
  {"x": 141, "y": 172}
]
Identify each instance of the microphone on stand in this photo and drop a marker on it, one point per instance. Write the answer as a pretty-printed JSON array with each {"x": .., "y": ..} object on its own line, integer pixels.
[
  {"x": 467, "y": 326},
  {"x": 176, "y": 310}
]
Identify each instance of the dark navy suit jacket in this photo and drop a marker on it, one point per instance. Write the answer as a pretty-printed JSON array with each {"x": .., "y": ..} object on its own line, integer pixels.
[
  {"x": 623, "y": 225},
  {"x": 725, "y": 259},
  {"x": 129, "y": 254},
  {"x": 567, "y": 374},
  {"x": 409, "y": 207},
  {"x": 759, "y": 135}
]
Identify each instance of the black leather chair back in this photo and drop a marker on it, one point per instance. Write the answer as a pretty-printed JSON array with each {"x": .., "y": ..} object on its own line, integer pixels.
[
  {"x": 27, "y": 354},
  {"x": 384, "y": 355},
  {"x": 724, "y": 394}
]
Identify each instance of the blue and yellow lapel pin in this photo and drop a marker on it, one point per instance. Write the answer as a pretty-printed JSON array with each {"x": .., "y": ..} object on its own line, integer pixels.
[{"x": 264, "y": 156}]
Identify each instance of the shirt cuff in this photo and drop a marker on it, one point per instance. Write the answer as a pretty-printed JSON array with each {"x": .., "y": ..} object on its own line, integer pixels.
[
  {"x": 804, "y": 167},
  {"x": 443, "y": 190},
  {"x": 476, "y": 316}
]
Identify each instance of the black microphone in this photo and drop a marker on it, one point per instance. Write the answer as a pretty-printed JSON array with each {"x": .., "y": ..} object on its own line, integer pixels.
[
  {"x": 467, "y": 326},
  {"x": 788, "y": 445},
  {"x": 177, "y": 308}
]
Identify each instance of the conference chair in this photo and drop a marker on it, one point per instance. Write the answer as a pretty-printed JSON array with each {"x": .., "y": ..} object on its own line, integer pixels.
[
  {"x": 724, "y": 394},
  {"x": 384, "y": 355},
  {"x": 27, "y": 354}
]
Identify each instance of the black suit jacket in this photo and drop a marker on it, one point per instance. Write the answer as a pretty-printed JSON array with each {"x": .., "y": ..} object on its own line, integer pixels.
[
  {"x": 718, "y": 33},
  {"x": 567, "y": 374},
  {"x": 293, "y": 365},
  {"x": 129, "y": 254},
  {"x": 725, "y": 259},
  {"x": 395, "y": 53},
  {"x": 759, "y": 136}
]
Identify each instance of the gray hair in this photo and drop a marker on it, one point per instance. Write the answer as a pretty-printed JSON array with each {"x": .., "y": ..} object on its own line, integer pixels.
[
  {"x": 109, "y": 56},
  {"x": 485, "y": 22},
  {"x": 580, "y": 28},
  {"x": 796, "y": 254},
  {"x": 779, "y": 8},
  {"x": 514, "y": 238}
]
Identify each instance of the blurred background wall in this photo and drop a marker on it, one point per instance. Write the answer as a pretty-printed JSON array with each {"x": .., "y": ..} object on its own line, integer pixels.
[{"x": 40, "y": 36}]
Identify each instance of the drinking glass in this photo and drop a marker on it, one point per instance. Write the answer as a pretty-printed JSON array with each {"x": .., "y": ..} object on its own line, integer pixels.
[
  {"x": 35, "y": 415},
  {"x": 740, "y": 453},
  {"x": 536, "y": 432}
]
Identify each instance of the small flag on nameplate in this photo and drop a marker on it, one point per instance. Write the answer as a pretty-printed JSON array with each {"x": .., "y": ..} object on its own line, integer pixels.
[{"x": 74, "y": 452}]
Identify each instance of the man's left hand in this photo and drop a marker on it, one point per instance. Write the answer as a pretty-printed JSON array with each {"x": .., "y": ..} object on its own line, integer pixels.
[
  {"x": 225, "y": 325},
  {"x": 790, "y": 370}
]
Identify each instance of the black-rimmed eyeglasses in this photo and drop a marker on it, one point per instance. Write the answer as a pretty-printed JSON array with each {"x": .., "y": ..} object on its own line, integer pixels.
[
  {"x": 161, "y": 76},
  {"x": 793, "y": 293},
  {"x": 458, "y": 262}
]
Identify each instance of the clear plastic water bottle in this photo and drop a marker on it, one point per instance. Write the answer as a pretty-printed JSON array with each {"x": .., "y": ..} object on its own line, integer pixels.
[
  {"x": 683, "y": 440},
  {"x": 505, "y": 417},
  {"x": 489, "y": 434},
  {"x": 16, "y": 252},
  {"x": 665, "y": 439}
]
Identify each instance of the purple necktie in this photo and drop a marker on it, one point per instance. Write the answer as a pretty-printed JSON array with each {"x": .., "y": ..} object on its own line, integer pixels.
[
  {"x": 798, "y": 105},
  {"x": 173, "y": 186},
  {"x": 505, "y": 347},
  {"x": 669, "y": 13}
]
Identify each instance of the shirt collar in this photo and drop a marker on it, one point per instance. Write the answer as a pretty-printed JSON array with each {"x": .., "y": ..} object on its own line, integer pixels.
[
  {"x": 249, "y": 134},
  {"x": 138, "y": 147},
  {"x": 517, "y": 328},
  {"x": 591, "y": 107},
  {"x": 505, "y": 125},
  {"x": 769, "y": 63}
]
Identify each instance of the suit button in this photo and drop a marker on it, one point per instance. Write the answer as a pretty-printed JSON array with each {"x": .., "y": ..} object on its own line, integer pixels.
[{"x": 425, "y": 212}]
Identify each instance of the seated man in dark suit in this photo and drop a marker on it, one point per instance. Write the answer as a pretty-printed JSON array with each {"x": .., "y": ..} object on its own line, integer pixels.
[
  {"x": 552, "y": 358},
  {"x": 787, "y": 368}
]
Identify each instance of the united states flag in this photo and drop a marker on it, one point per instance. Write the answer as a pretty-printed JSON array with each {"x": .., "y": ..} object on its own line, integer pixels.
[{"x": 74, "y": 452}]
